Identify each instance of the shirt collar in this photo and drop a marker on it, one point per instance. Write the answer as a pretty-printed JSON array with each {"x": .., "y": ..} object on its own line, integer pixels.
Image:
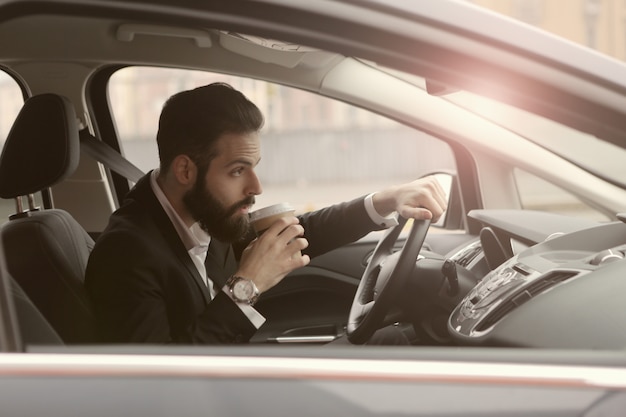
[{"x": 194, "y": 237}]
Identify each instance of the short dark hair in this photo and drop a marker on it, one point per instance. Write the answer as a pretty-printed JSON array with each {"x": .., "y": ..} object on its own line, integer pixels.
[{"x": 191, "y": 122}]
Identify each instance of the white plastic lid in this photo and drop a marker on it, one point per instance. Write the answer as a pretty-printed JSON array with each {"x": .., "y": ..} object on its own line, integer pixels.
[{"x": 270, "y": 211}]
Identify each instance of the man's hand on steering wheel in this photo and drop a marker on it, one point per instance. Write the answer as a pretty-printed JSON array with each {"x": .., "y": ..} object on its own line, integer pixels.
[{"x": 423, "y": 199}]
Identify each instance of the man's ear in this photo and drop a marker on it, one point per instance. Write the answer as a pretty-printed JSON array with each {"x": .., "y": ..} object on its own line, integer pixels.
[{"x": 185, "y": 170}]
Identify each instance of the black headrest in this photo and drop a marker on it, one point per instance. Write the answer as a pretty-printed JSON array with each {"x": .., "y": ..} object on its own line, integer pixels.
[{"x": 42, "y": 148}]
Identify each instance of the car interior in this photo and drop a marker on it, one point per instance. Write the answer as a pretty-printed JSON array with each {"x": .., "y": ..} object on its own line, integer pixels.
[{"x": 491, "y": 273}]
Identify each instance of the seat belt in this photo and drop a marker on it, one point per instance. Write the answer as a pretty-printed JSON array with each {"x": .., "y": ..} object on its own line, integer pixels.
[{"x": 107, "y": 156}]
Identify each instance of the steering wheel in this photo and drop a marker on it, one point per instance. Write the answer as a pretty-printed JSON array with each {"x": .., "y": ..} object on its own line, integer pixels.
[{"x": 383, "y": 279}]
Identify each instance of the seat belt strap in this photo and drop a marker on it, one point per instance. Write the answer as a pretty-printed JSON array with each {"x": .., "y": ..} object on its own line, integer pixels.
[{"x": 107, "y": 156}]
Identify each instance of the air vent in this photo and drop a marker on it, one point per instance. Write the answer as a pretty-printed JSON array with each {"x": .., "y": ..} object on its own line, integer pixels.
[
  {"x": 524, "y": 294},
  {"x": 542, "y": 284}
]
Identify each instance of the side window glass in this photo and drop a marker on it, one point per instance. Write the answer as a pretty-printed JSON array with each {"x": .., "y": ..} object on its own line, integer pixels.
[
  {"x": 538, "y": 194},
  {"x": 11, "y": 101},
  {"x": 316, "y": 151}
]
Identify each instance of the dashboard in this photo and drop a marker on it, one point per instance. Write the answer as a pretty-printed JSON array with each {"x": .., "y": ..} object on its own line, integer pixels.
[{"x": 559, "y": 282}]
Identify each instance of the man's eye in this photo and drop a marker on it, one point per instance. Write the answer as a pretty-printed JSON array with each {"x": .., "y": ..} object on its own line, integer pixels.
[{"x": 238, "y": 171}]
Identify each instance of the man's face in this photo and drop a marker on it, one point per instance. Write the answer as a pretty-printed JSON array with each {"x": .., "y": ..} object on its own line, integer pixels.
[{"x": 221, "y": 198}]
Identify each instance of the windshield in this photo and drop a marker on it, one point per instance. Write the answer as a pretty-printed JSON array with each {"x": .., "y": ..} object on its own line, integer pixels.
[{"x": 595, "y": 155}]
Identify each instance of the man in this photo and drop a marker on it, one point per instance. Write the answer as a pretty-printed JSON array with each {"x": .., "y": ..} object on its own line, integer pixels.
[{"x": 152, "y": 276}]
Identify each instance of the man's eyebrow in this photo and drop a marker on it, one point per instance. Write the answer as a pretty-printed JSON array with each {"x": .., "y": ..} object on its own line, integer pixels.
[{"x": 243, "y": 161}]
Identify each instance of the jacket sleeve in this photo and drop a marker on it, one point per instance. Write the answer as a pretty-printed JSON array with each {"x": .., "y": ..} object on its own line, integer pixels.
[
  {"x": 141, "y": 296},
  {"x": 334, "y": 226}
]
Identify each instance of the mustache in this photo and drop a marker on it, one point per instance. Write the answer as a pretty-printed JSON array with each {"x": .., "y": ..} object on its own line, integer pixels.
[{"x": 248, "y": 201}]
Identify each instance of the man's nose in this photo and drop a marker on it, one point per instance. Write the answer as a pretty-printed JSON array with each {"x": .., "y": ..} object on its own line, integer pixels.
[{"x": 254, "y": 188}]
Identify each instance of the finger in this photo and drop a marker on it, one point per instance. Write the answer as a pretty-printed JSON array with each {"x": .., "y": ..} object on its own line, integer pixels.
[
  {"x": 441, "y": 196},
  {"x": 440, "y": 204},
  {"x": 417, "y": 213},
  {"x": 298, "y": 261},
  {"x": 291, "y": 232},
  {"x": 438, "y": 192},
  {"x": 436, "y": 210},
  {"x": 298, "y": 244},
  {"x": 436, "y": 202},
  {"x": 281, "y": 224}
]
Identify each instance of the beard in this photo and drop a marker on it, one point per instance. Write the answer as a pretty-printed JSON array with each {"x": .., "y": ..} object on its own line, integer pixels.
[{"x": 218, "y": 220}]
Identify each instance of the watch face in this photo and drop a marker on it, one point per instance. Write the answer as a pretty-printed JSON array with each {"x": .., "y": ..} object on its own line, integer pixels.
[{"x": 243, "y": 290}]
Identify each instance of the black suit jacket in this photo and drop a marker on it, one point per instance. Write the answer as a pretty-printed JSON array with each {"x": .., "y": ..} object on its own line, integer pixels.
[{"x": 145, "y": 287}]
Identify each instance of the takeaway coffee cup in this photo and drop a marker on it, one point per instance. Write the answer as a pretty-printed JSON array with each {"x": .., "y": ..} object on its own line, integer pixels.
[{"x": 263, "y": 218}]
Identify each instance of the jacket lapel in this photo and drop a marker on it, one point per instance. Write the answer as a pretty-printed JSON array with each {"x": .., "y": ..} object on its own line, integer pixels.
[
  {"x": 220, "y": 263},
  {"x": 143, "y": 192}
]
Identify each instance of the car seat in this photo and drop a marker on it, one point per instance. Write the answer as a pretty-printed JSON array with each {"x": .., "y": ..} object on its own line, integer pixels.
[{"x": 46, "y": 249}]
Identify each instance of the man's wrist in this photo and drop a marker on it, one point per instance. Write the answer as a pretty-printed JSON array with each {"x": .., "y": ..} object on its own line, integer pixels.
[
  {"x": 384, "y": 221},
  {"x": 242, "y": 290}
]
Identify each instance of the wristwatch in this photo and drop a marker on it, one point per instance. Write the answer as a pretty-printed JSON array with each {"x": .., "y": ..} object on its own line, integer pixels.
[{"x": 242, "y": 290}]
